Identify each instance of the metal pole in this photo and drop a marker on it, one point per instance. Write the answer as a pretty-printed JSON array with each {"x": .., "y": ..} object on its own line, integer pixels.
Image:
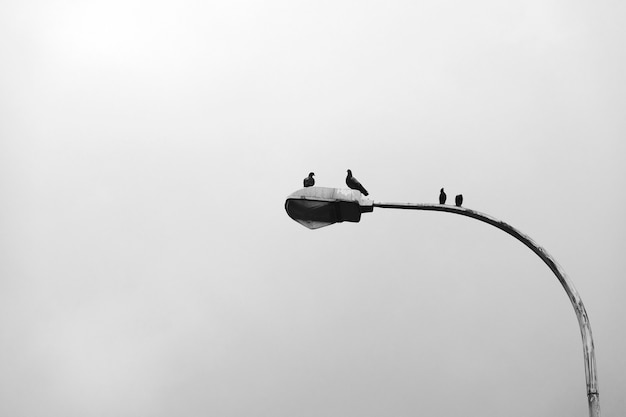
[{"x": 591, "y": 376}]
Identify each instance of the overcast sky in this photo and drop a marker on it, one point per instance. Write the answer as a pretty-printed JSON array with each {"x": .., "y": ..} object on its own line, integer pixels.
[{"x": 148, "y": 267}]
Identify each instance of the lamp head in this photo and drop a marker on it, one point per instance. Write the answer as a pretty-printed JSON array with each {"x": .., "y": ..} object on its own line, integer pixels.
[{"x": 315, "y": 207}]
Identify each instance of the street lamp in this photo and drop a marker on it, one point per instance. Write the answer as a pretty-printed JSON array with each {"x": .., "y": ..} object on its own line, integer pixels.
[{"x": 316, "y": 207}]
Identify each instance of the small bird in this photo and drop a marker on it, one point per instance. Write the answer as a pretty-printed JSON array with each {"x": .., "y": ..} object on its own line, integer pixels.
[
  {"x": 309, "y": 181},
  {"x": 355, "y": 184},
  {"x": 459, "y": 200},
  {"x": 442, "y": 197}
]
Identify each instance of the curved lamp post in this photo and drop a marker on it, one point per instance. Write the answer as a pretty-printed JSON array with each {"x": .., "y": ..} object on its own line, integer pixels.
[{"x": 316, "y": 207}]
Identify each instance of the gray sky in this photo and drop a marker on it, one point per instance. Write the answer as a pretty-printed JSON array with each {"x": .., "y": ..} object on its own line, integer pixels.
[{"x": 147, "y": 265}]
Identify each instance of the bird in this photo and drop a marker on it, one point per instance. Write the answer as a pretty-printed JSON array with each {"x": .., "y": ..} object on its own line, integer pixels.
[
  {"x": 355, "y": 184},
  {"x": 442, "y": 197},
  {"x": 309, "y": 181},
  {"x": 459, "y": 200}
]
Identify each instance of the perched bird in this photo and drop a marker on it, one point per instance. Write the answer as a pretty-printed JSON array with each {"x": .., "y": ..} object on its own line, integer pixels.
[
  {"x": 442, "y": 197},
  {"x": 459, "y": 200},
  {"x": 355, "y": 184},
  {"x": 309, "y": 181}
]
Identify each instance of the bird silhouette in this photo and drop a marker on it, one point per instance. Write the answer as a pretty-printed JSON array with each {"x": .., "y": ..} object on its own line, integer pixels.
[
  {"x": 355, "y": 184},
  {"x": 442, "y": 197},
  {"x": 309, "y": 181},
  {"x": 459, "y": 200}
]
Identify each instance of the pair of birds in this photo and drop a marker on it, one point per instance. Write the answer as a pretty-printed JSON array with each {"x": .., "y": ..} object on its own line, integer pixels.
[
  {"x": 350, "y": 182},
  {"x": 458, "y": 200}
]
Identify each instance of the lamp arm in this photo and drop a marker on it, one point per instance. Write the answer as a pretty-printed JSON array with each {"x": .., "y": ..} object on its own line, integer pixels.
[{"x": 591, "y": 376}]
